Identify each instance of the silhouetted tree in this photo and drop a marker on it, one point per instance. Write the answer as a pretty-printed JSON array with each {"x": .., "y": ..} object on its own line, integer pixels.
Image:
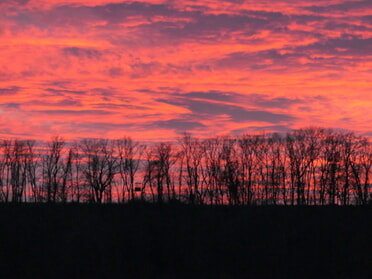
[
  {"x": 248, "y": 145},
  {"x": 18, "y": 166},
  {"x": 13, "y": 170},
  {"x": 67, "y": 181},
  {"x": 162, "y": 163},
  {"x": 130, "y": 154},
  {"x": 53, "y": 168},
  {"x": 302, "y": 151},
  {"x": 191, "y": 157},
  {"x": 361, "y": 164},
  {"x": 100, "y": 166},
  {"x": 308, "y": 166},
  {"x": 6, "y": 152},
  {"x": 277, "y": 171},
  {"x": 230, "y": 170},
  {"x": 150, "y": 173},
  {"x": 213, "y": 171},
  {"x": 32, "y": 172},
  {"x": 76, "y": 188}
]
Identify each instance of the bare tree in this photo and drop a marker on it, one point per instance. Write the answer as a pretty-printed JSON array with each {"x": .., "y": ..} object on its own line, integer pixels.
[
  {"x": 213, "y": 171},
  {"x": 130, "y": 154},
  {"x": 32, "y": 172},
  {"x": 230, "y": 170},
  {"x": 192, "y": 154},
  {"x": 53, "y": 168},
  {"x": 361, "y": 165},
  {"x": 150, "y": 172},
  {"x": 163, "y": 161},
  {"x": 100, "y": 166},
  {"x": 18, "y": 164},
  {"x": 302, "y": 151},
  {"x": 277, "y": 167},
  {"x": 309, "y": 166},
  {"x": 67, "y": 181},
  {"x": 248, "y": 145},
  {"x": 6, "y": 151},
  {"x": 349, "y": 145},
  {"x": 13, "y": 170},
  {"x": 331, "y": 168}
]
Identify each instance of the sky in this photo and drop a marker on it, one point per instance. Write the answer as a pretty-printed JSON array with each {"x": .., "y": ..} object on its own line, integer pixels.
[{"x": 155, "y": 69}]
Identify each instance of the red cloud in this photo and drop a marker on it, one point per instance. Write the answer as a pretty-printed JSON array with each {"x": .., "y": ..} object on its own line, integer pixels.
[{"x": 99, "y": 68}]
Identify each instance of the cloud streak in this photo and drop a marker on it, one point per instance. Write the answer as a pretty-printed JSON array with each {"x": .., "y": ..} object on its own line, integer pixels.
[{"x": 154, "y": 68}]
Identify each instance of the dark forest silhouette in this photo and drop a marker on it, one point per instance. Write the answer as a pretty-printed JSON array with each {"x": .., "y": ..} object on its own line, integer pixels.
[
  {"x": 147, "y": 240},
  {"x": 99, "y": 208},
  {"x": 312, "y": 166}
]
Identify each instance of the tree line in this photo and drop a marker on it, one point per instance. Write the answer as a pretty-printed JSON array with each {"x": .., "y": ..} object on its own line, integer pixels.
[{"x": 312, "y": 166}]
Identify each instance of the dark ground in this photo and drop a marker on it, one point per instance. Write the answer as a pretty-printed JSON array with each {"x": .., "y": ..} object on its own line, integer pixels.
[{"x": 179, "y": 241}]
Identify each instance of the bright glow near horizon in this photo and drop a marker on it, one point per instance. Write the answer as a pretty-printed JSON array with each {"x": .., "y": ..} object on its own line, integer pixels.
[{"x": 154, "y": 69}]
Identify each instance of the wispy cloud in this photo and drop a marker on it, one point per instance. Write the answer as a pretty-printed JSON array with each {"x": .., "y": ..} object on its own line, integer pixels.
[{"x": 153, "y": 68}]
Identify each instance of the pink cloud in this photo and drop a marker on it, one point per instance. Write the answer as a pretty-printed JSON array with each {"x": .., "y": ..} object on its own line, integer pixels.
[{"x": 98, "y": 68}]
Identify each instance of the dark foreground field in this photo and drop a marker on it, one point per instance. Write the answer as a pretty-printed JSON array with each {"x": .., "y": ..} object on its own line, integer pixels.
[{"x": 178, "y": 241}]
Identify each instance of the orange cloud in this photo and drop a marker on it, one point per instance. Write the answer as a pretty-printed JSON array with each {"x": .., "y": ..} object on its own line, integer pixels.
[{"x": 153, "y": 69}]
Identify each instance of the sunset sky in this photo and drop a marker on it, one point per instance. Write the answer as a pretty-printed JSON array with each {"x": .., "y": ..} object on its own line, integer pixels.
[{"x": 154, "y": 69}]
